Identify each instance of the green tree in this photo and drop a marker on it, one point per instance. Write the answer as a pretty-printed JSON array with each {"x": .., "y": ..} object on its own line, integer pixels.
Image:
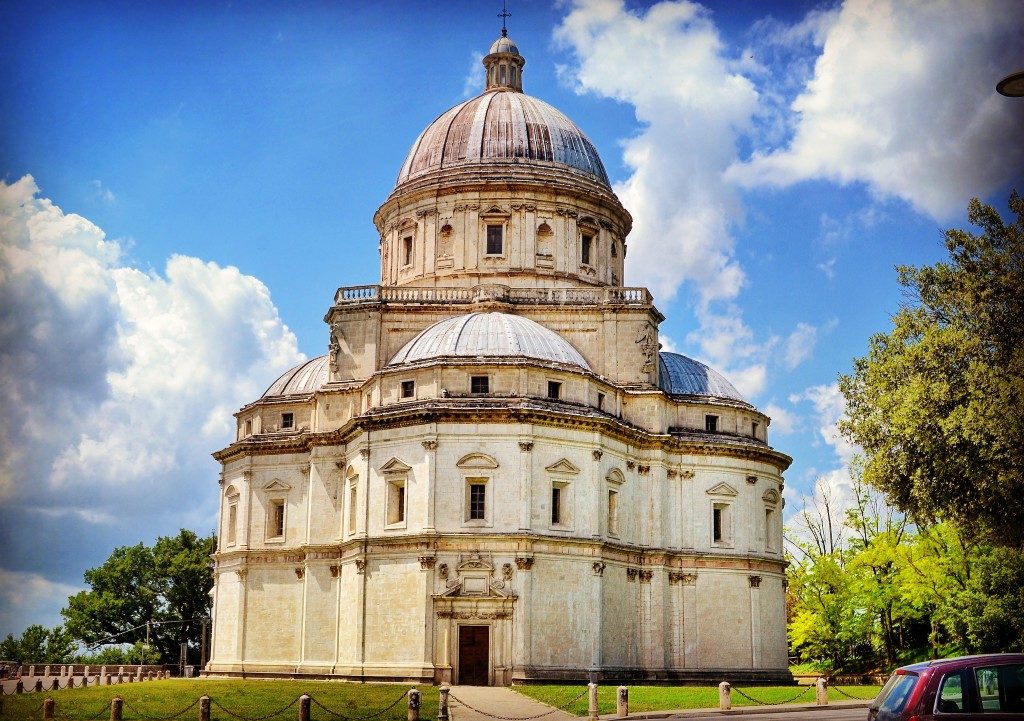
[
  {"x": 161, "y": 593},
  {"x": 936, "y": 403},
  {"x": 38, "y": 644}
]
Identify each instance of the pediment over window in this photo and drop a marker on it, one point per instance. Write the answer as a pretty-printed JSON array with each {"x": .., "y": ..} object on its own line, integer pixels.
[
  {"x": 475, "y": 562},
  {"x": 477, "y": 460},
  {"x": 563, "y": 466},
  {"x": 277, "y": 485},
  {"x": 477, "y": 588},
  {"x": 231, "y": 491},
  {"x": 770, "y": 496},
  {"x": 615, "y": 476},
  {"x": 722, "y": 489},
  {"x": 395, "y": 466},
  {"x": 494, "y": 212}
]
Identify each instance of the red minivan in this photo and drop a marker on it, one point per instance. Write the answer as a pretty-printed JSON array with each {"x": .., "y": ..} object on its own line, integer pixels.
[{"x": 968, "y": 687}]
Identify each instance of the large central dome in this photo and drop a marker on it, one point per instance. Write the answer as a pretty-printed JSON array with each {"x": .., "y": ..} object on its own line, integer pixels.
[{"x": 503, "y": 125}]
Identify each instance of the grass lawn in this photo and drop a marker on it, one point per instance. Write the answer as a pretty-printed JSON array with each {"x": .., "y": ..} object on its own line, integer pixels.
[
  {"x": 665, "y": 698},
  {"x": 249, "y": 699}
]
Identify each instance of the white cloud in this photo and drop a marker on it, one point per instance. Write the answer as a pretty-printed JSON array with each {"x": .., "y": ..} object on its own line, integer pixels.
[
  {"x": 828, "y": 268},
  {"x": 902, "y": 98},
  {"x": 669, "y": 63},
  {"x": 783, "y": 422},
  {"x": 102, "y": 192},
  {"x": 118, "y": 382},
  {"x": 27, "y": 598},
  {"x": 800, "y": 345},
  {"x": 667, "y": 344},
  {"x": 473, "y": 83},
  {"x": 829, "y": 405}
]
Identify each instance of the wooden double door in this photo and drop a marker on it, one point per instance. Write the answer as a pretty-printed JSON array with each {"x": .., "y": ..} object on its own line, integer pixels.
[{"x": 474, "y": 655}]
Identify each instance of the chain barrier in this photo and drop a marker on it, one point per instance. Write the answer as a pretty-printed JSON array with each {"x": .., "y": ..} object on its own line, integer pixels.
[
  {"x": 563, "y": 707},
  {"x": 855, "y": 698},
  {"x": 772, "y": 703},
  {"x": 337, "y": 715},
  {"x": 59, "y": 712},
  {"x": 253, "y": 718},
  {"x": 160, "y": 718}
]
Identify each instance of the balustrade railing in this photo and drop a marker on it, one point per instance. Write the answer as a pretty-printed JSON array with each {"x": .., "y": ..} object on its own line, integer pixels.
[{"x": 516, "y": 296}]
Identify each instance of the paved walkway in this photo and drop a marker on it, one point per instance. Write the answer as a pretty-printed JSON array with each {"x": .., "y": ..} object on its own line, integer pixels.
[{"x": 486, "y": 703}]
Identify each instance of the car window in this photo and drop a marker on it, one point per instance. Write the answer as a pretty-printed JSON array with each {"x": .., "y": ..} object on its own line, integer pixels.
[
  {"x": 950, "y": 698},
  {"x": 893, "y": 696},
  {"x": 1001, "y": 688}
]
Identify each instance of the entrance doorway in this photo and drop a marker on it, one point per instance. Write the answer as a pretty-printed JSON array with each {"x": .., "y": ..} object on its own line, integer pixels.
[{"x": 474, "y": 654}]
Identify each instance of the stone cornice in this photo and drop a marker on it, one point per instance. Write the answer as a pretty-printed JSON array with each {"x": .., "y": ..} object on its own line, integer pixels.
[
  {"x": 511, "y": 410},
  {"x": 535, "y": 546},
  {"x": 512, "y": 178}
]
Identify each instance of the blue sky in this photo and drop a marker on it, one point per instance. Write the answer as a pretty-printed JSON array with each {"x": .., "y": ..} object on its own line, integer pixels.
[{"x": 184, "y": 186}]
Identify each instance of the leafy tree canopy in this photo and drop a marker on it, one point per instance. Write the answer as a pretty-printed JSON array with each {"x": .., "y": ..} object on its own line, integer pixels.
[
  {"x": 39, "y": 645},
  {"x": 163, "y": 590},
  {"x": 937, "y": 403}
]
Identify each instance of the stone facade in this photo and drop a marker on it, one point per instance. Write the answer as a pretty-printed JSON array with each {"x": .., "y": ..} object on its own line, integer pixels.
[{"x": 486, "y": 511}]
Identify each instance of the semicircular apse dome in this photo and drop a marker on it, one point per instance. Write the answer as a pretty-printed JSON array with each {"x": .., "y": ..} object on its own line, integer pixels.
[
  {"x": 679, "y": 375},
  {"x": 301, "y": 380}
]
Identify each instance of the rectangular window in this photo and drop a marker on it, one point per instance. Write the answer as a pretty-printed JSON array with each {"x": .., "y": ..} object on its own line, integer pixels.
[
  {"x": 720, "y": 528},
  {"x": 232, "y": 523},
  {"x": 556, "y": 504},
  {"x": 711, "y": 424},
  {"x": 494, "y": 240},
  {"x": 585, "y": 244},
  {"x": 408, "y": 389},
  {"x": 613, "y": 513},
  {"x": 600, "y": 401},
  {"x": 753, "y": 428},
  {"x": 554, "y": 390},
  {"x": 477, "y": 501},
  {"x": 407, "y": 250},
  {"x": 999, "y": 688},
  {"x": 951, "y": 697},
  {"x": 615, "y": 252},
  {"x": 276, "y": 520},
  {"x": 479, "y": 384},
  {"x": 287, "y": 420},
  {"x": 352, "y": 494},
  {"x": 248, "y": 428},
  {"x": 769, "y": 530},
  {"x": 396, "y": 502}
]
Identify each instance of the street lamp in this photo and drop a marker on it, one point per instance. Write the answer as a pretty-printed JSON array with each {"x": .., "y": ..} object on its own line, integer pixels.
[{"x": 1012, "y": 86}]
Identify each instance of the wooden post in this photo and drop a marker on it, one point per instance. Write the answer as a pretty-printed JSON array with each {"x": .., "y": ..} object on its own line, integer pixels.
[
  {"x": 39, "y": 685},
  {"x": 724, "y": 696},
  {"x": 442, "y": 711},
  {"x": 622, "y": 702},
  {"x": 592, "y": 701},
  {"x": 48, "y": 705},
  {"x": 822, "y": 694},
  {"x": 19, "y": 687},
  {"x": 55, "y": 686},
  {"x": 204, "y": 708},
  {"x": 414, "y": 705},
  {"x": 115, "y": 708},
  {"x": 304, "y": 707}
]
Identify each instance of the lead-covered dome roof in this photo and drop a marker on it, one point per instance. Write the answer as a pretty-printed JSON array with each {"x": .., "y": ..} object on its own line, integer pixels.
[
  {"x": 492, "y": 336},
  {"x": 301, "y": 380},
  {"x": 502, "y": 127},
  {"x": 679, "y": 375}
]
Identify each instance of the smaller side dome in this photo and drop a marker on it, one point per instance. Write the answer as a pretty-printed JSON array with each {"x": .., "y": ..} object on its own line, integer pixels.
[
  {"x": 301, "y": 380},
  {"x": 682, "y": 376},
  {"x": 489, "y": 335}
]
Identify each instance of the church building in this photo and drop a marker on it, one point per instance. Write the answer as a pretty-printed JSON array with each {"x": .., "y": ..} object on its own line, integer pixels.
[{"x": 493, "y": 475}]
